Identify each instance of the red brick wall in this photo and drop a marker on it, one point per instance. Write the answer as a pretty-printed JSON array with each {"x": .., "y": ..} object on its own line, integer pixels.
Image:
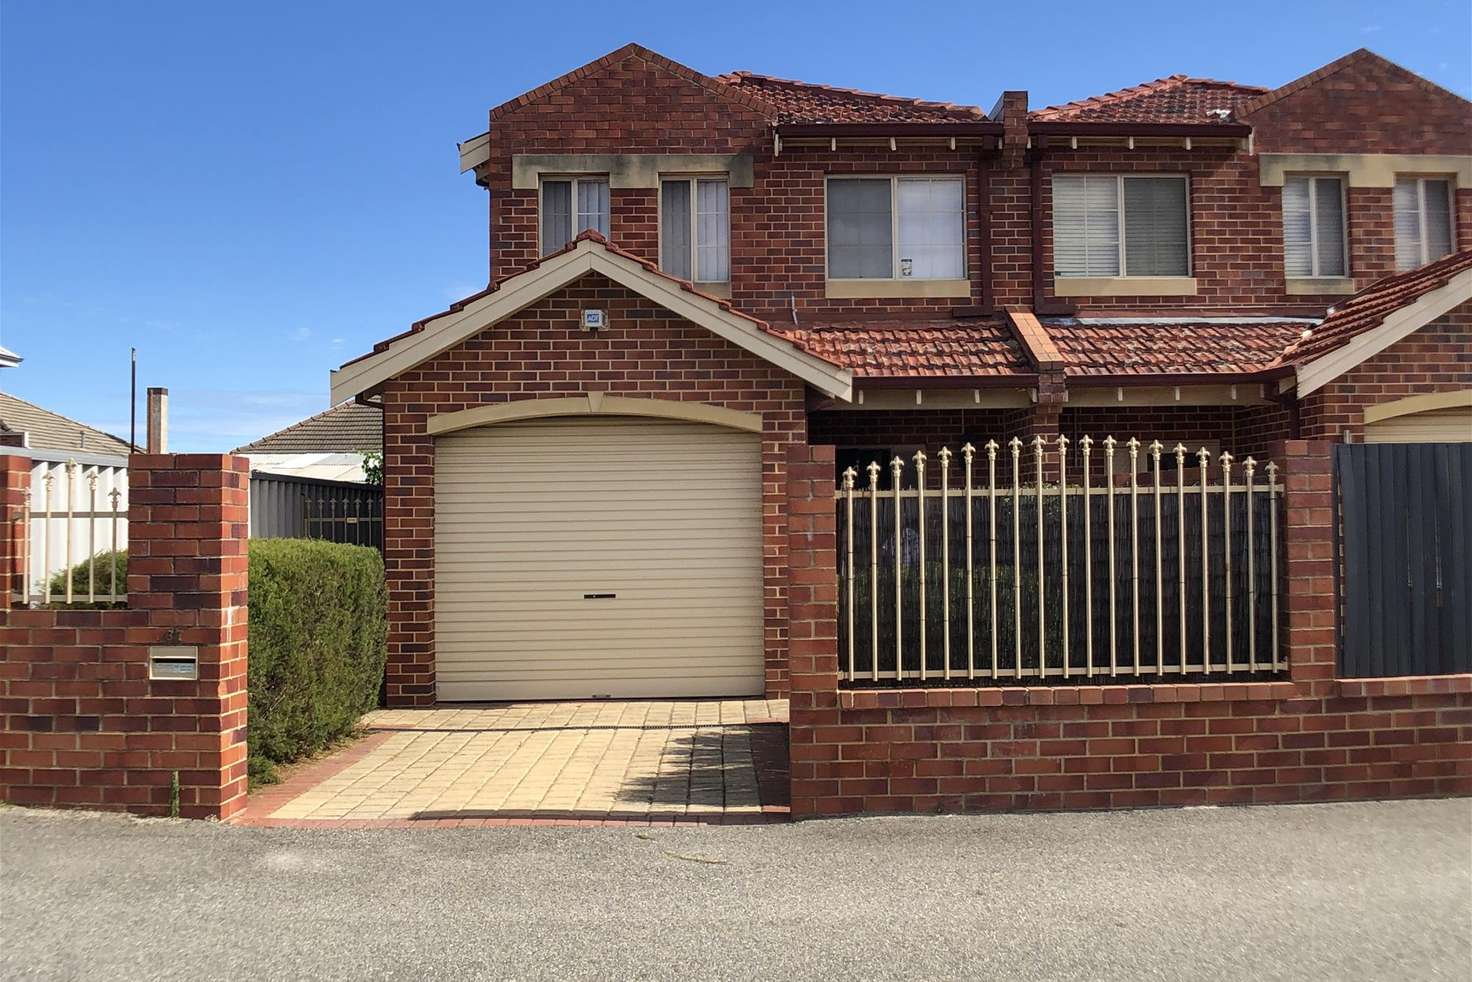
[
  {"x": 777, "y": 233},
  {"x": 83, "y": 724},
  {"x": 1367, "y": 106},
  {"x": 542, "y": 352},
  {"x": 1308, "y": 738},
  {"x": 1437, "y": 358}
]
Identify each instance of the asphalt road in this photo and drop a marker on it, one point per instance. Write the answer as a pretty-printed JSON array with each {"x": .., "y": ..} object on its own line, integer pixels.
[{"x": 1361, "y": 891}]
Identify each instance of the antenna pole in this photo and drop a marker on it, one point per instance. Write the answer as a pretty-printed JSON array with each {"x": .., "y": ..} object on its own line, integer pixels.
[{"x": 133, "y": 399}]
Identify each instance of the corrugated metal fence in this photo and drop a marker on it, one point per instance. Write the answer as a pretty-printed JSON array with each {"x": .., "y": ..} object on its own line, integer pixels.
[
  {"x": 284, "y": 507},
  {"x": 1406, "y": 554}
]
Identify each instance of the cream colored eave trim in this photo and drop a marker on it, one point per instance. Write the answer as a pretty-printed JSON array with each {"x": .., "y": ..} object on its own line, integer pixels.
[
  {"x": 630, "y": 170},
  {"x": 594, "y": 404},
  {"x": 877, "y": 289},
  {"x": 1318, "y": 286},
  {"x": 1124, "y": 286},
  {"x": 1316, "y": 374},
  {"x": 444, "y": 332},
  {"x": 475, "y": 151},
  {"x": 1428, "y": 403},
  {"x": 1365, "y": 170}
]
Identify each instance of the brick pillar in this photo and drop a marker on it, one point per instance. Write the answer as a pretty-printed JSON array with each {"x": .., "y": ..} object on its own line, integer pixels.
[
  {"x": 187, "y": 568},
  {"x": 15, "y": 477},
  {"x": 1308, "y": 606},
  {"x": 812, "y": 605}
]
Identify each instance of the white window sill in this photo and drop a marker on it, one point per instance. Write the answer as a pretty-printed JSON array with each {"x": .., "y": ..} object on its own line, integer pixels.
[
  {"x": 1319, "y": 286},
  {"x": 1124, "y": 286},
  {"x": 721, "y": 290},
  {"x": 882, "y": 289}
]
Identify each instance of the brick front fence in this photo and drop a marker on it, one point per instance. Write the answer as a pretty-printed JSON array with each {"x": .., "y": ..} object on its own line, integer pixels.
[
  {"x": 84, "y": 724},
  {"x": 1312, "y": 737}
]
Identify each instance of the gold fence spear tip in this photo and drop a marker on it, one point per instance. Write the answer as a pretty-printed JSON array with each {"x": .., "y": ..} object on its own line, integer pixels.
[
  {"x": 1062, "y": 443},
  {"x": 873, "y": 470},
  {"x": 1204, "y": 454},
  {"x": 1155, "y": 447},
  {"x": 967, "y": 450},
  {"x": 944, "y": 455},
  {"x": 1134, "y": 446},
  {"x": 919, "y": 459},
  {"x": 1016, "y": 445},
  {"x": 991, "y": 449},
  {"x": 1109, "y": 444},
  {"x": 1249, "y": 465},
  {"x": 848, "y": 479},
  {"x": 1180, "y": 452},
  {"x": 1038, "y": 442}
]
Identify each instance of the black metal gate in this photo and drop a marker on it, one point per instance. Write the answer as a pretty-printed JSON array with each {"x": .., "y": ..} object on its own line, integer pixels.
[{"x": 1406, "y": 558}]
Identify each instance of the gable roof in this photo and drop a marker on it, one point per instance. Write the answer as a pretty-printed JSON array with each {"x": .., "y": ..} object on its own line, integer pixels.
[
  {"x": 615, "y": 58},
  {"x": 1378, "y": 316},
  {"x": 46, "y": 430},
  {"x": 1101, "y": 348},
  {"x": 1362, "y": 56},
  {"x": 808, "y": 102},
  {"x": 1173, "y": 99},
  {"x": 349, "y": 427},
  {"x": 590, "y": 252}
]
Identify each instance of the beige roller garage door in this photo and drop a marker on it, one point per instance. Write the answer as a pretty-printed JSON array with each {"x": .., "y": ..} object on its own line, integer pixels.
[
  {"x": 1439, "y": 426},
  {"x": 593, "y": 556}
]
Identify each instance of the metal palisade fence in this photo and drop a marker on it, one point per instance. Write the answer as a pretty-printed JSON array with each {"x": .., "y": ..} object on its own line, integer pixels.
[
  {"x": 1089, "y": 561},
  {"x": 75, "y": 514}
]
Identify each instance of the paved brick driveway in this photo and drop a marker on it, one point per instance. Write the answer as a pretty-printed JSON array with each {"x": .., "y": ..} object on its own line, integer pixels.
[{"x": 566, "y": 763}]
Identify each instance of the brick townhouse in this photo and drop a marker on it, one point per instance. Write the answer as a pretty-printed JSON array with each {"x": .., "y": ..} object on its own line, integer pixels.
[{"x": 696, "y": 279}]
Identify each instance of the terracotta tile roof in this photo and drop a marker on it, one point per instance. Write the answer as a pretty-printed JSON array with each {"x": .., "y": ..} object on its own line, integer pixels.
[
  {"x": 1368, "y": 309},
  {"x": 46, "y": 430},
  {"x": 348, "y": 427},
  {"x": 1174, "y": 99},
  {"x": 1200, "y": 347},
  {"x": 807, "y": 102},
  {"x": 945, "y": 348}
]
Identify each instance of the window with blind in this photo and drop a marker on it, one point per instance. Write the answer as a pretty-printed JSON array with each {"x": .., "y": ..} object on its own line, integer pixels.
[
  {"x": 1113, "y": 225},
  {"x": 1423, "y": 220},
  {"x": 1314, "y": 243},
  {"x": 571, "y": 206},
  {"x": 897, "y": 228},
  {"x": 695, "y": 229}
]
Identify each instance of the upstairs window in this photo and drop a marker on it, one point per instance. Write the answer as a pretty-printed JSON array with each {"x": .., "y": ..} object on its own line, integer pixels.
[
  {"x": 1423, "y": 220},
  {"x": 695, "y": 229},
  {"x": 897, "y": 228},
  {"x": 571, "y": 206},
  {"x": 1313, "y": 227},
  {"x": 1112, "y": 225}
]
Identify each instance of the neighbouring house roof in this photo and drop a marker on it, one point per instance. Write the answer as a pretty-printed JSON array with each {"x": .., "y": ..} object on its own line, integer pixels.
[
  {"x": 945, "y": 348},
  {"x": 348, "y": 427},
  {"x": 808, "y": 102},
  {"x": 8, "y": 358},
  {"x": 590, "y": 252},
  {"x": 46, "y": 430},
  {"x": 1174, "y": 99},
  {"x": 1161, "y": 346},
  {"x": 313, "y": 466}
]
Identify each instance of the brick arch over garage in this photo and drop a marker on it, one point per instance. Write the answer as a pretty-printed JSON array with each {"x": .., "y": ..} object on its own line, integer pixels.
[{"x": 647, "y": 354}]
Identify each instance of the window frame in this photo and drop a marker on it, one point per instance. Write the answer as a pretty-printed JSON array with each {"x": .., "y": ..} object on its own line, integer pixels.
[
  {"x": 574, "y": 180},
  {"x": 894, "y": 228},
  {"x": 693, "y": 179},
  {"x": 1313, "y": 226},
  {"x": 1451, "y": 213},
  {"x": 1124, "y": 273}
]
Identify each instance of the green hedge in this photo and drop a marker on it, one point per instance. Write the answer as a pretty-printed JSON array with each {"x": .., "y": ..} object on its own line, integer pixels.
[{"x": 318, "y": 641}]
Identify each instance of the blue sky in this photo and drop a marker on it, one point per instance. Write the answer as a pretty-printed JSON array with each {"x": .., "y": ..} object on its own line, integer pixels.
[{"x": 253, "y": 193}]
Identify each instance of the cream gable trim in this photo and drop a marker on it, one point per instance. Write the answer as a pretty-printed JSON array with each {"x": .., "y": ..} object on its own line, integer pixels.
[
  {"x": 1431, "y": 402},
  {"x": 1365, "y": 170},
  {"x": 518, "y": 292},
  {"x": 594, "y": 404},
  {"x": 1399, "y": 324},
  {"x": 475, "y": 151}
]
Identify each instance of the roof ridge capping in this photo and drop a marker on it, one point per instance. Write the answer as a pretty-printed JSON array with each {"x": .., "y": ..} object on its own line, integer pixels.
[{"x": 738, "y": 77}]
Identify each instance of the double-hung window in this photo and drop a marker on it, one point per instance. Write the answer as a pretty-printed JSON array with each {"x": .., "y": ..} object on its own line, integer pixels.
[
  {"x": 1107, "y": 225},
  {"x": 1314, "y": 241},
  {"x": 896, "y": 228},
  {"x": 695, "y": 228},
  {"x": 1423, "y": 220},
  {"x": 571, "y": 206}
]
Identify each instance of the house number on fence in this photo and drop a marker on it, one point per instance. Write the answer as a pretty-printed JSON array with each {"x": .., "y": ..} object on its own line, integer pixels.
[{"x": 1118, "y": 580}]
